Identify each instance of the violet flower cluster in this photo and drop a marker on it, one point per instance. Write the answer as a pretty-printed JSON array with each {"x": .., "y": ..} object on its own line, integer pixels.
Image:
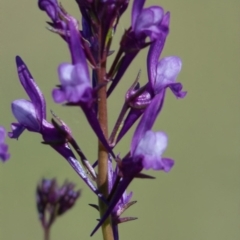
[{"x": 83, "y": 83}]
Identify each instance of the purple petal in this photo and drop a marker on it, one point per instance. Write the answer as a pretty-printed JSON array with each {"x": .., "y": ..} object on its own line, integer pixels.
[
  {"x": 25, "y": 112},
  {"x": 168, "y": 69},
  {"x": 17, "y": 130},
  {"x": 151, "y": 147},
  {"x": 152, "y": 144},
  {"x": 31, "y": 89},
  {"x": 69, "y": 74},
  {"x": 4, "y": 155},
  {"x": 166, "y": 20},
  {"x": 154, "y": 53},
  {"x": 149, "y": 21},
  {"x": 50, "y": 7},
  {"x": 2, "y": 134},
  {"x": 136, "y": 10},
  {"x": 74, "y": 83},
  {"x": 77, "y": 53},
  {"x": 167, "y": 164},
  {"x": 148, "y": 119},
  {"x": 58, "y": 95},
  {"x": 177, "y": 90}
]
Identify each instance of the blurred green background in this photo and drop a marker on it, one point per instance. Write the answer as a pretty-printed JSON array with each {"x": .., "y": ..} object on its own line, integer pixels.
[{"x": 200, "y": 198}]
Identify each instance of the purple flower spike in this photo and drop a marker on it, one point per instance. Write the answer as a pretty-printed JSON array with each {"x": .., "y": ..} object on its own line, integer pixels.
[{"x": 4, "y": 155}]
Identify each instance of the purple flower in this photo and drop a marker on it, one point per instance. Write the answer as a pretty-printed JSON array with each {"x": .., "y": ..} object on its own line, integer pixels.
[
  {"x": 31, "y": 115},
  {"x": 147, "y": 146},
  {"x": 74, "y": 78},
  {"x": 53, "y": 201},
  {"x": 163, "y": 73},
  {"x": 4, "y": 155}
]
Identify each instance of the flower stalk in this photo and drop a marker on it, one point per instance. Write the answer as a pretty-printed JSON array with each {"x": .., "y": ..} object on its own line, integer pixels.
[
  {"x": 46, "y": 234},
  {"x": 102, "y": 180}
]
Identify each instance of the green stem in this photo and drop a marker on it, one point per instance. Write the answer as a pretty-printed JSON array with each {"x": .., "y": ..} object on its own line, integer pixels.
[
  {"x": 47, "y": 233},
  {"x": 102, "y": 178}
]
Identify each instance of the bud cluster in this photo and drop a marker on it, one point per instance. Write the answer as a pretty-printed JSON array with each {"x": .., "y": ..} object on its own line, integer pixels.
[{"x": 53, "y": 201}]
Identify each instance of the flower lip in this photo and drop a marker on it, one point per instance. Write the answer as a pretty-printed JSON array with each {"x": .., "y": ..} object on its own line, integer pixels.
[
  {"x": 152, "y": 143},
  {"x": 151, "y": 148},
  {"x": 25, "y": 112},
  {"x": 168, "y": 69}
]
